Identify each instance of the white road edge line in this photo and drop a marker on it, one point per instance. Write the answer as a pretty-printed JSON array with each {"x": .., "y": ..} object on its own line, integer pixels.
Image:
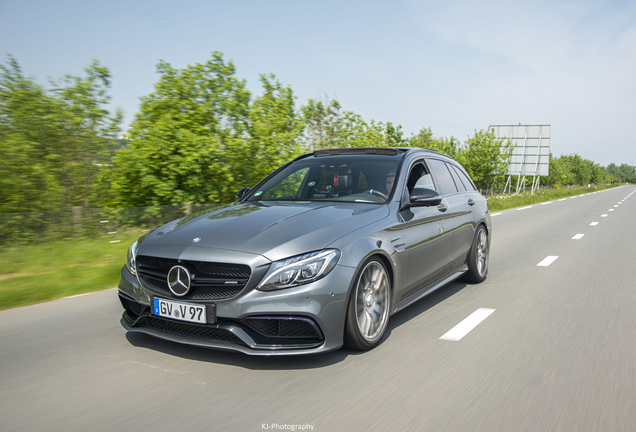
[
  {"x": 546, "y": 203},
  {"x": 468, "y": 324},
  {"x": 594, "y": 223},
  {"x": 546, "y": 262},
  {"x": 562, "y": 199},
  {"x": 78, "y": 295},
  {"x": 578, "y": 237},
  {"x": 523, "y": 208},
  {"x": 495, "y": 214}
]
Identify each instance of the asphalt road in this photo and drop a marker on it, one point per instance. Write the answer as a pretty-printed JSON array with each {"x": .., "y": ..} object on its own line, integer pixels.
[{"x": 557, "y": 354}]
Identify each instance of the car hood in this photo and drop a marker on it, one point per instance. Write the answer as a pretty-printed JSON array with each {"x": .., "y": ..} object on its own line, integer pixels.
[{"x": 272, "y": 229}]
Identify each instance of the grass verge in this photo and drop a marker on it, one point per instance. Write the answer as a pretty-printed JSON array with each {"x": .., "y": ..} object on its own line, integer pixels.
[
  {"x": 508, "y": 201},
  {"x": 57, "y": 269}
]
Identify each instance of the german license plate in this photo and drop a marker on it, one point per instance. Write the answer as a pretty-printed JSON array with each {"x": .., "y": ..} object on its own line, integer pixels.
[{"x": 180, "y": 311}]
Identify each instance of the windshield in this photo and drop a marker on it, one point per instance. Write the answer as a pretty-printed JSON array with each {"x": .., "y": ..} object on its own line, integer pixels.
[{"x": 335, "y": 178}]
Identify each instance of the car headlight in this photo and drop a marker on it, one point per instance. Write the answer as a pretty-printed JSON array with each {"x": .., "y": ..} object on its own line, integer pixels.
[
  {"x": 131, "y": 264},
  {"x": 299, "y": 270}
]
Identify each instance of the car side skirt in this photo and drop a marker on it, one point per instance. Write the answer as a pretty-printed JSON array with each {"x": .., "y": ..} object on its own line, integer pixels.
[{"x": 428, "y": 289}]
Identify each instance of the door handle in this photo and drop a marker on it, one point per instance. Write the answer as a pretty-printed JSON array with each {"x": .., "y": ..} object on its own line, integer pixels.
[
  {"x": 471, "y": 202},
  {"x": 442, "y": 207}
]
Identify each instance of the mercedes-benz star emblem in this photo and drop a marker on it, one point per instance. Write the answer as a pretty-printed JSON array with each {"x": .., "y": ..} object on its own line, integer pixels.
[{"x": 179, "y": 280}]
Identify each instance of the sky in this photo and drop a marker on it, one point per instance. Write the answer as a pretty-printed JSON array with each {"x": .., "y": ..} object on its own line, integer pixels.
[{"x": 453, "y": 66}]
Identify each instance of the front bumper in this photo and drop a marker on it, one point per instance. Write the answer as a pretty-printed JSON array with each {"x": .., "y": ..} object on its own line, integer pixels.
[{"x": 302, "y": 320}]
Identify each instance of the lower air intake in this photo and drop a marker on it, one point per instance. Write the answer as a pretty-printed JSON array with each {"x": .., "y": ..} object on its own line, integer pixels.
[
  {"x": 188, "y": 330},
  {"x": 284, "y": 327}
]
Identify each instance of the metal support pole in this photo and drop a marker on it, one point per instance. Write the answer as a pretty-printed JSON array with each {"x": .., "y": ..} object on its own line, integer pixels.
[
  {"x": 536, "y": 166},
  {"x": 507, "y": 184},
  {"x": 522, "y": 171}
]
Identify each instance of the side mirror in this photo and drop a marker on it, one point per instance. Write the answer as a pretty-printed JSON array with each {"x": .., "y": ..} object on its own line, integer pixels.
[
  {"x": 242, "y": 192},
  {"x": 422, "y": 197}
]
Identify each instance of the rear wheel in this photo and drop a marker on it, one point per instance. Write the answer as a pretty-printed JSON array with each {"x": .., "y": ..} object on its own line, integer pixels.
[
  {"x": 479, "y": 256},
  {"x": 368, "y": 310}
]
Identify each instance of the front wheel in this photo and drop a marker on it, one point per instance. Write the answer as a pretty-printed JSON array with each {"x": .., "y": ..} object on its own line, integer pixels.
[
  {"x": 369, "y": 304},
  {"x": 479, "y": 256}
]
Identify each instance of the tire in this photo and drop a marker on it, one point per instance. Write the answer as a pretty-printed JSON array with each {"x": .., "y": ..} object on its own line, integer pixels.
[
  {"x": 479, "y": 257},
  {"x": 369, "y": 306}
]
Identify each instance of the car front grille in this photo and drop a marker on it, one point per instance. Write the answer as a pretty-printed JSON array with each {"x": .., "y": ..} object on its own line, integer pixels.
[
  {"x": 207, "y": 268},
  {"x": 212, "y": 281},
  {"x": 188, "y": 330}
]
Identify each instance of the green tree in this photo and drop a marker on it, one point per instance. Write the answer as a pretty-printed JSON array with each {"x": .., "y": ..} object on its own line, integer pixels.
[
  {"x": 354, "y": 131},
  {"x": 575, "y": 170},
  {"x": 199, "y": 137},
  {"x": 557, "y": 174},
  {"x": 322, "y": 120},
  {"x": 425, "y": 139},
  {"x": 485, "y": 157},
  {"x": 578, "y": 170},
  {"x": 274, "y": 128},
  {"x": 53, "y": 143},
  {"x": 90, "y": 131},
  {"x": 183, "y": 140},
  {"x": 623, "y": 173}
]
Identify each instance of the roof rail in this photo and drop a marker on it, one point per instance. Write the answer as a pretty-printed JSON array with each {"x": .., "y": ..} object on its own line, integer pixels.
[
  {"x": 424, "y": 149},
  {"x": 358, "y": 150}
]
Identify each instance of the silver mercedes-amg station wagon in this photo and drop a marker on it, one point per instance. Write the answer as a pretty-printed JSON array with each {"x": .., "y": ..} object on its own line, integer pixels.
[{"x": 317, "y": 255}]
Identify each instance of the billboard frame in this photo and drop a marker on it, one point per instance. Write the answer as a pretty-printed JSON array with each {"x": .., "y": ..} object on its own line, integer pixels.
[{"x": 530, "y": 154}]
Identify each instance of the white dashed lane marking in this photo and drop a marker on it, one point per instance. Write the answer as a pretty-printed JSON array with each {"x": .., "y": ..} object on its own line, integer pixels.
[
  {"x": 546, "y": 262},
  {"x": 578, "y": 237},
  {"x": 468, "y": 324},
  {"x": 495, "y": 214},
  {"x": 523, "y": 208},
  {"x": 562, "y": 199},
  {"x": 604, "y": 215},
  {"x": 610, "y": 209},
  {"x": 594, "y": 223},
  {"x": 546, "y": 203}
]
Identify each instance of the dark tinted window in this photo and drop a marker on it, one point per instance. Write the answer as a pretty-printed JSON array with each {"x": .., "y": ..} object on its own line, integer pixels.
[
  {"x": 464, "y": 177},
  {"x": 445, "y": 183},
  {"x": 458, "y": 181},
  {"x": 416, "y": 173}
]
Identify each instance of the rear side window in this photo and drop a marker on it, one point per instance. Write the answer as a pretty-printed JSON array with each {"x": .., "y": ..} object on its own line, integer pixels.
[
  {"x": 464, "y": 177},
  {"x": 458, "y": 181},
  {"x": 445, "y": 182}
]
